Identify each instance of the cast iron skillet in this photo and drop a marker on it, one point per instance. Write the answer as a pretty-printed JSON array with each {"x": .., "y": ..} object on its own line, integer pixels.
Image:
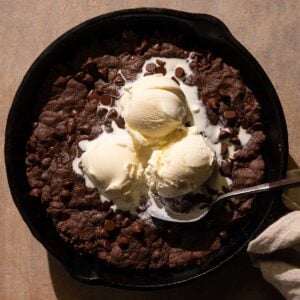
[{"x": 201, "y": 30}]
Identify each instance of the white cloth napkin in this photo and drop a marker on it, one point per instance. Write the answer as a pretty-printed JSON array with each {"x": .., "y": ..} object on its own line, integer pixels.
[{"x": 276, "y": 251}]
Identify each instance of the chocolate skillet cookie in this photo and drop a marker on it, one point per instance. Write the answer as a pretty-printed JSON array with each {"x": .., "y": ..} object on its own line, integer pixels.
[{"x": 80, "y": 99}]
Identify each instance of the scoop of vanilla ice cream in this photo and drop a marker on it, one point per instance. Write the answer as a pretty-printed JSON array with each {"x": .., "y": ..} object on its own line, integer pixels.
[
  {"x": 182, "y": 166},
  {"x": 154, "y": 106},
  {"x": 110, "y": 162}
]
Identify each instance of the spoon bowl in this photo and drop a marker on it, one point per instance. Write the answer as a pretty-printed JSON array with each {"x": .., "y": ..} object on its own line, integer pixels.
[{"x": 198, "y": 211}]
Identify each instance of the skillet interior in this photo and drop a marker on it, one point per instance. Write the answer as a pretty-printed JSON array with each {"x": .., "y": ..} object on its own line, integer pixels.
[{"x": 200, "y": 30}]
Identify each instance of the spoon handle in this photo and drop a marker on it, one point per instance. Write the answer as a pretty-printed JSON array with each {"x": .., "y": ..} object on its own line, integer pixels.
[
  {"x": 274, "y": 185},
  {"x": 287, "y": 182}
]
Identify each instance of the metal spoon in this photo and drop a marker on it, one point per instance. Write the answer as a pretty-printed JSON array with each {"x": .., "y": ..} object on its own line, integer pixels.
[{"x": 198, "y": 211}]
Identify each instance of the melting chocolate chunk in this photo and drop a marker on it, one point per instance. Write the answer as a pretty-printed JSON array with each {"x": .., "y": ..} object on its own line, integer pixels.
[
  {"x": 179, "y": 72},
  {"x": 105, "y": 99},
  {"x": 150, "y": 67},
  {"x": 229, "y": 114}
]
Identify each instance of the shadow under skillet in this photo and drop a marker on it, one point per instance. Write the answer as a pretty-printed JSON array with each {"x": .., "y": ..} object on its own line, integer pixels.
[
  {"x": 236, "y": 279},
  {"x": 292, "y": 163}
]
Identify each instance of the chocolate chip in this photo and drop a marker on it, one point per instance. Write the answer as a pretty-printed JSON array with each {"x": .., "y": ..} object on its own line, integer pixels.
[
  {"x": 110, "y": 213},
  {"x": 179, "y": 72},
  {"x": 112, "y": 114},
  {"x": 71, "y": 126},
  {"x": 102, "y": 111},
  {"x": 105, "y": 99},
  {"x": 223, "y": 92},
  {"x": 156, "y": 47},
  {"x": 151, "y": 52},
  {"x": 90, "y": 66},
  {"x": 61, "y": 81},
  {"x": 224, "y": 149},
  {"x": 229, "y": 114},
  {"x": 31, "y": 157},
  {"x": 35, "y": 192},
  {"x": 84, "y": 129},
  {"x": 38, "y": 184},
  {"x": 160, "y": 62},
  {"x": 123, "y": 241},
  {"x": 120, "y": 122},
  {"x": 107, "y": 245},
  {"x": 108, "y": 128},
  {"x": 125, "y": 222},
  {"x": 74, "y": 112},
  {"x": 173, "y": 78},
  {"x": 119, "y": 80},
  {"x": 103, "y": 72},
  {"x": 109, "y": 225},
  {"x": 138, "y": 51},
  {"x": 57, "y": 205},
  {"x": 65, "y": 194},
  {"x": 44, "y": 176},
  {"x": 156, "y": 255},
  {"x": 119, "y": 218},
  {"x": 61, "y": 131},
  {"x": 137, "y": 228},
  {"x": 93, "y": 96},
  {"x": 144, "y": 44},
  {"x": 68, "y": 185},
  {"x": 96, "y": 219},
  {"x": 161, "y": 70},
  {"x": 103, "y": 233},
  {"x": 151, "y": 67},
  {"x": 46, "y": 162},
  {"x": 79, "y": 76},
  {"x": 88, "y": 79},
  {"x": 71, "y": 138}
]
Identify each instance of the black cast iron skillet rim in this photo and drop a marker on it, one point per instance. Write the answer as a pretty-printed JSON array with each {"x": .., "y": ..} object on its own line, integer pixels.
[{"x": 193, "y": 18}]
